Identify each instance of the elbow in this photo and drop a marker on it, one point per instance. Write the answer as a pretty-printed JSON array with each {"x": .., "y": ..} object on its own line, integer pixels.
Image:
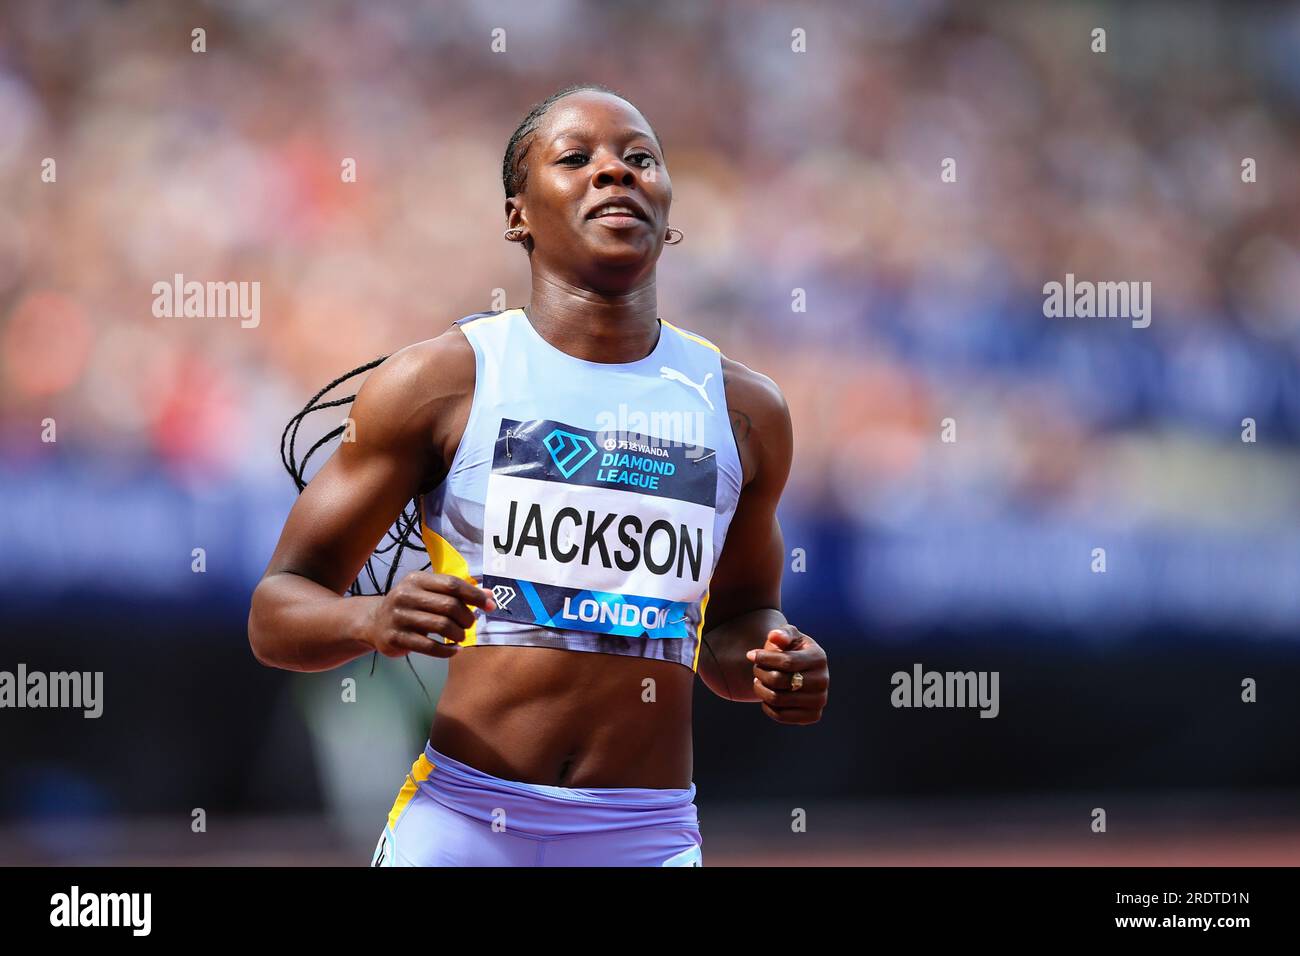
[
  {"x": 257, "y": 634},
  {"x": 257, "y": 653},
  {"x": 717, "y": 681},
  {"x": 254, "y": 640}
]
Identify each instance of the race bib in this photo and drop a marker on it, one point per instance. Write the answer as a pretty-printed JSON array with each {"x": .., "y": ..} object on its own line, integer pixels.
[{"x": 610, "y": 532}]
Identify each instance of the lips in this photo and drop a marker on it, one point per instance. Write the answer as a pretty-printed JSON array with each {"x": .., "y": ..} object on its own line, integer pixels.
[{"x": 628, "y": 205}]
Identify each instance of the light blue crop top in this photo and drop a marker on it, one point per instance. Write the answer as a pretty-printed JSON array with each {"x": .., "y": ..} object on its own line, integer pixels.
[{"x": 592, "y": 498}]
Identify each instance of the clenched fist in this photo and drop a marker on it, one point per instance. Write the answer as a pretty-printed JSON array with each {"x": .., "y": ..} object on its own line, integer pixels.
[
  {"x": 425, "y": 603},
  {"x": 786, "y": 653}
]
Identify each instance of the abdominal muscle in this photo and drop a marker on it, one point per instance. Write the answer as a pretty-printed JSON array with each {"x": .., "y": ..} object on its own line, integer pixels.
[{"x": 567, "y": 718}]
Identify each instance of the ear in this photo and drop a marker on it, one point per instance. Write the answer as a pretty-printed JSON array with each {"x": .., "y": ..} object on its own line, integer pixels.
[{"x": 514, "y": 213}]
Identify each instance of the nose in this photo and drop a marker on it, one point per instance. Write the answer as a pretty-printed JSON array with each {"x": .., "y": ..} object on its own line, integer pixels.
[{"x": 611, "y": 169}]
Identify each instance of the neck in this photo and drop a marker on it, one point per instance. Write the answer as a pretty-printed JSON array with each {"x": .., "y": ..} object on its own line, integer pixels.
[{"x": 595, "y": 326}]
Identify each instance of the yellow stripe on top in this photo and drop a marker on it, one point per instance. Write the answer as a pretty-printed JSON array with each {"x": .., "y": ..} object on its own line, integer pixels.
[
  {"x": 445, "y": 559},
  {"x": 699, "y": 631},
  {"x": 692, "y": 336},
  {"x": 420, "y": 771}
]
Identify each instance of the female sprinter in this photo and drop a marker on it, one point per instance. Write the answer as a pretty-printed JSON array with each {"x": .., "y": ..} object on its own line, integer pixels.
[{"x": 577, "y": 466}]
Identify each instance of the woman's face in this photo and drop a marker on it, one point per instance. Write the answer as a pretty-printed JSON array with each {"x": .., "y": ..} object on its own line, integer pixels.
[{"x": 591, "y": 150}]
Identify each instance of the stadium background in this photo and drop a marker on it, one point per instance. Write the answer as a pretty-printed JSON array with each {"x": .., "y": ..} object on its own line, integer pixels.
[{"x": 816, "y": 171}]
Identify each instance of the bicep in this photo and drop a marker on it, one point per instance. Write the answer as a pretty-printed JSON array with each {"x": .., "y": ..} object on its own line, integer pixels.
[
  {"x": 341, "y": 515},
  {"x": 360, "y": 491},
  {"x": 748, "y": 575}
]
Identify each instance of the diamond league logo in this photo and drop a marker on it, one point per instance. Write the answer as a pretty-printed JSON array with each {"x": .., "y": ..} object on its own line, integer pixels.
[
  {"x": 503, "y": 594},
  {"x": 569, "y": 451}
]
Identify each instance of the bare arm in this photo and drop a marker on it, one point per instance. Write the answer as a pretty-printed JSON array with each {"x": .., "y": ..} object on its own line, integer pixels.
[
  {"x": 751, "y": 651},
  {"x": 406, "y": 415}
]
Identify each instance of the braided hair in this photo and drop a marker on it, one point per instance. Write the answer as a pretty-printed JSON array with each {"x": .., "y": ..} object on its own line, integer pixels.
[{"x": 404, "y": 533}]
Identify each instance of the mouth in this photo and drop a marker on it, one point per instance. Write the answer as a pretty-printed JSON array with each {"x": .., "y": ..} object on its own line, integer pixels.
[{"x": 618, "y": 211}]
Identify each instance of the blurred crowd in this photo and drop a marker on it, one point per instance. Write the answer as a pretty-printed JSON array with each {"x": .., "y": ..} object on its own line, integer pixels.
[
  {"x": 823, "y": 246},
  {"x": 873, "y": 194}
]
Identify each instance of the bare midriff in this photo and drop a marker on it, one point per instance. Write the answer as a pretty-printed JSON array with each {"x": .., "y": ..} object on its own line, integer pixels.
[{"x": 567, "y": 718}]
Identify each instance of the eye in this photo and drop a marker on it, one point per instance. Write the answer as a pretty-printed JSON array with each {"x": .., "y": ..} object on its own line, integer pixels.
[
  {"x": 568, "y": 156},
  {"x": 642, "y": 159}
]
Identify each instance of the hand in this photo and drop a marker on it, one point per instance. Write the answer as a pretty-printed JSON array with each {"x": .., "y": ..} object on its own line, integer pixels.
[
  {"x": 425, "y": 603},
  {"x": 789, "y": 651}
]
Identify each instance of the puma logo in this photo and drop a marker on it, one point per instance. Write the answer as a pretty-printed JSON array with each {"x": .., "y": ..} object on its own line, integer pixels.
[{"x": 672, "y": 375}]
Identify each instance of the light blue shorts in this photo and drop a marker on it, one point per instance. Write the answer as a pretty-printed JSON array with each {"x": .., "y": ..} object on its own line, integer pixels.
[{"x": 449, "y": 814}]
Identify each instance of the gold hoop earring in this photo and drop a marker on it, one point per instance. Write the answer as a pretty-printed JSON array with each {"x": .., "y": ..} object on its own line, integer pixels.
[
  {"x": 514, "y": 235},
  {"x": 669, "y": 240}
]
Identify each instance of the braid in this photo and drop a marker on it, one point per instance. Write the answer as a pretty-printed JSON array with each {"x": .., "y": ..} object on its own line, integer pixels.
[
  {"x": 405, "y": 531},
  {"x": 514, "y": 172}
]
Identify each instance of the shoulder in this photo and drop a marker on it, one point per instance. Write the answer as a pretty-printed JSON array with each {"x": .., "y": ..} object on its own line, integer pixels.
[
  {"x": 760, "y": 420},
  {"x": 754, "y": 391},
  {"x": 753, "y": 397},
  {"x": 407, "y": 391}
]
